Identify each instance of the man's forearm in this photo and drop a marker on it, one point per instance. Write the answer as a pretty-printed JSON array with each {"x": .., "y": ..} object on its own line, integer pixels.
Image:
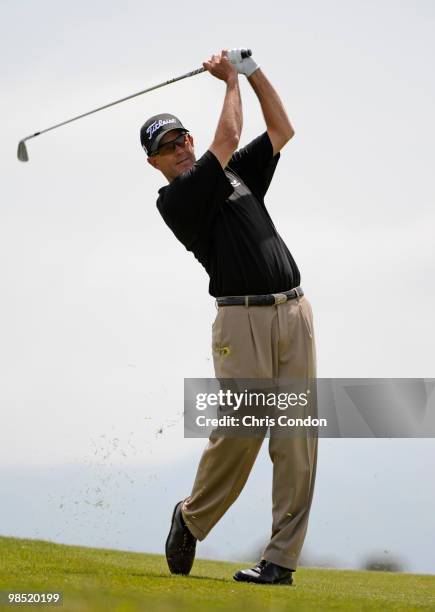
[
  {"x": 275, "y": 116},
  {"x": 230, "y": 123}
]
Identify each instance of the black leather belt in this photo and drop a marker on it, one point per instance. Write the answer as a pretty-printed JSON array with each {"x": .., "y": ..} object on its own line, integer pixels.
[{"x": 260, "y": 300}]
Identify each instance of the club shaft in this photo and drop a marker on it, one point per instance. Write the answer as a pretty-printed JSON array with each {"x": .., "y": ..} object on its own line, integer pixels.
[
  {"x": 22, "y": 150},
  {"x": 96, "y": 110}
]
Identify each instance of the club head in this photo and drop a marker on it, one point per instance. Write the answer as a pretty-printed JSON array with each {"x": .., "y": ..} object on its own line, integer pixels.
[{"x": 22, "y": 151}]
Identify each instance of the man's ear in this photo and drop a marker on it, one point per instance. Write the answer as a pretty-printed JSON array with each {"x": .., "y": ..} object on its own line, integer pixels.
[{"x": 154, "y": 162}]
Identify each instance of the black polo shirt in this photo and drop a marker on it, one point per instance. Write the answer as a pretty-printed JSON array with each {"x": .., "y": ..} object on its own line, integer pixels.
[{"x": 221, "y": 217}]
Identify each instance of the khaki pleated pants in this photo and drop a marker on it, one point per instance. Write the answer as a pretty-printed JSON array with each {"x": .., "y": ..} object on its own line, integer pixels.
[{"x": 260, "y": 342}]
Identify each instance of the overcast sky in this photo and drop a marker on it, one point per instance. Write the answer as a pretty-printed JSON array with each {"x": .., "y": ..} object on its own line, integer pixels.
[{"x": 103, "y": 311}]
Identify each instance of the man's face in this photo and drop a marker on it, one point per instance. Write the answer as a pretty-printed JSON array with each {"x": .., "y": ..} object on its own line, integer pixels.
[{"x": 176, "y": 158}]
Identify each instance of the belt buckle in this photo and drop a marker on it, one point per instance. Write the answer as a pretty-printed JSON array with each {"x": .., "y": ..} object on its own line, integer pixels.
[{"x": 280, "y": 298}]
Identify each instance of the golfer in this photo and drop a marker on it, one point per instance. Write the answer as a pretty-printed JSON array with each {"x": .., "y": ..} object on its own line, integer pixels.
[{"x": 263, "y": 328}]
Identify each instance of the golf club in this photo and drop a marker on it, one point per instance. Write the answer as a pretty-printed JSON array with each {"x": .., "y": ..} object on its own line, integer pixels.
[{"x": 22, "y": 149}]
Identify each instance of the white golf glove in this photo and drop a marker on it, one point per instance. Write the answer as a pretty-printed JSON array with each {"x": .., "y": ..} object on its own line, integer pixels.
[{"x": 244, "y": 66}]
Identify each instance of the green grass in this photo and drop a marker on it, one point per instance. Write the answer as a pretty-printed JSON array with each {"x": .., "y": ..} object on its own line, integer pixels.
[{"x": 98, "y": 579}]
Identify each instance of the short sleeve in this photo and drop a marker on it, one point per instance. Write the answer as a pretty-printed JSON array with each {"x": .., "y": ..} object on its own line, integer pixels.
[
  {"x": 255, "y": 164},
  {"x": 191, "y": 201}
]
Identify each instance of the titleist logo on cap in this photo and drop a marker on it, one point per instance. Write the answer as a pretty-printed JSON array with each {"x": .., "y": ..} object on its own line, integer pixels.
[{"x": 156, "y": 125}]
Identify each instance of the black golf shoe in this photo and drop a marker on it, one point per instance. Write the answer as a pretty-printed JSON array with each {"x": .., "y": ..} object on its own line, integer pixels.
[
  {"x": 180, "y": 544},
  {"x": 265, "y": 572}
]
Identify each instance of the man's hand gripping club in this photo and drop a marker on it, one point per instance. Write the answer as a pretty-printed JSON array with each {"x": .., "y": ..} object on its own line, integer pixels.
[{"x": 246, "y": 66}]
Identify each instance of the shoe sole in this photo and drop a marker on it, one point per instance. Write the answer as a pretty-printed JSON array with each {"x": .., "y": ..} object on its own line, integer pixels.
[{"x": 283, "y": 581}]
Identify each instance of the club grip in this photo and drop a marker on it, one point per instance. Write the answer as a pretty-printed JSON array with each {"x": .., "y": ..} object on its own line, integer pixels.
[{"x": 245, "y": 53}]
